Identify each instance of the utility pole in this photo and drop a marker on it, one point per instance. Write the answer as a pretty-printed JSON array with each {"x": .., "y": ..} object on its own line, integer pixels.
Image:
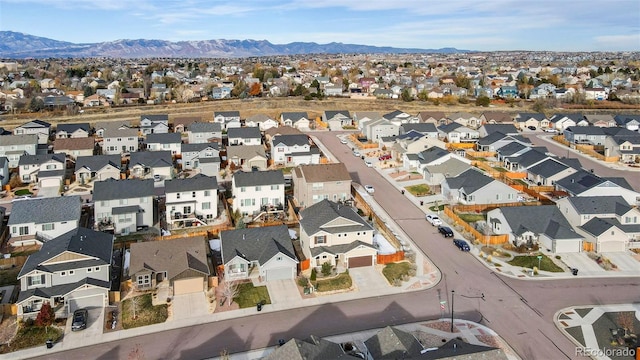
[{"x": 452, "y": 293}]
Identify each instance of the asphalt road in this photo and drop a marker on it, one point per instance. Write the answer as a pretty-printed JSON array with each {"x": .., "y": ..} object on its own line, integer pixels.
[{"x": 520, "y": 311}]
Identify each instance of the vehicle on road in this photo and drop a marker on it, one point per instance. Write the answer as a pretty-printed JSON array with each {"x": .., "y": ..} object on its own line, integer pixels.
[
  {"x": 461, "y": 244},
  {"x": 356, "y": 153},
  {"x": 550, "y": 130},
  {"x": 445, "y": 231},
  {"x": 368, "y": 163},
  {"x": 80, "y": 317},
  {"x": 369, "y": 189},
  {"x": 343, "y": 141},
  {"x": 434, "y": 220}
]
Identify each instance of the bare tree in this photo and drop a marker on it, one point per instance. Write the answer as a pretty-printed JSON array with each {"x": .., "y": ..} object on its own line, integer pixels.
[
  {"x": 229, "y": 290},
  {"x": 134, "y": 306}
]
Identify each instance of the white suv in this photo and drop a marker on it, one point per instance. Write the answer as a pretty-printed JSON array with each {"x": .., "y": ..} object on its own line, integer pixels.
[{"x": 434, "y": 220}]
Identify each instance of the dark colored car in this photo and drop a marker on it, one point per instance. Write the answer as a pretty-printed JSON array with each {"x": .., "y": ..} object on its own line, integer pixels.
[
  {"x": 80, "y": 317},
  {"x": 461, "y": 244},
  {"x": 446, "y": 231},
  {"x": 531, "y": 127}
]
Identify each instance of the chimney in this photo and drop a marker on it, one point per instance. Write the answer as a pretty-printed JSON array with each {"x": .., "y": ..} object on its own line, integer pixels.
[{"x": 243, "y": 237}]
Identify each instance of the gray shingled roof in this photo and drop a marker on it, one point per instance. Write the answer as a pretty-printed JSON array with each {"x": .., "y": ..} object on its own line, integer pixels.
[
  {"x": 598, "y": 204},
  {"x": 257, "y": 178},
  {"x": 41, "y": 159},
  {"x": 323, "y": 172},
  {"x": 316, "y": 216},
  {"x": 529, "y": 158},
  {"x": 83, "y": 241},
  {"x": 244, "y": 133},
  {"x": 69, "y": 128},
  {"x": 447, "y": 128},
  {"x": 173, "y": 256},
  {"x": 97, "y": 162},
  {"x": 579, "y": 182},
  {"x": 151, "y": 158},
  {"x": 290, "y": 140},
  {"x": 198, "y": 127},
  {"x": 115, "y": 133},
  {"x": 339, "y": 249},
  {"x": 46, "y": 210},
  {"x": 432, "y": 154},
  {"x": 256, "y": 244},
  {"x": 522, "y": 117},
  {"x": 511, "y": 148},
  {"x": 245, "y": 151},
  {"x": 470, "y": 180},
  {"x": 155, "y": 118},
  {"x": 122, "y": 189},
  {"x": 313, "y": 349},
  {"x": 597, "y": 226},
  {"x": 198, "y": 182},
  {"x": 230, "y": 113},
  {"x": 393, "y": 343},
  {"x": 198, "y": 147},
  {"x": 503, "y": 128},
  {"x": 294, "y": 116},
  {"x": 537, "y": 220},
  {"x": 491, "y": 138},
  {"x": 585, "y": 130},
  {"x": 6, "y": 140},
  {"x": 160, "y": 138},
  {"x": 458, "y": 349},
  {"x": 451, "y": 167},
  {"x": 61, "y": 290},
  {"x": 422, "y": 128},
  {"x": 547, "y": 168}
]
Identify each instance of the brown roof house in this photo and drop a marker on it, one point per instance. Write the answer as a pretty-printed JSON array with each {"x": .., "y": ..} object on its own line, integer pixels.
[
  {"x": 74, "y": 147},
  {"x": 180, "y": 264},
  {"x": 314, "y": 183}
]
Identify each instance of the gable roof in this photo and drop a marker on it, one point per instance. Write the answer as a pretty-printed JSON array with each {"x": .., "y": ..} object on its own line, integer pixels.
[
  {"x": 151, "y": 158},
  {"x": 547, "y": 168},
  {"x": 35, "y": 124},
  {"x": 82, "y": 143},
  {"x": 323, "y": 172},
  {"x": 97, "y": 162},
  {"x": 46, "y": 210},
  {"x": 511, "y": 148},
  {"x": 458, "y": 349},
  {"x": 41, "y": 159},
  {"x": 164, "y": 138},
  {"x": 315, "y": 217},
  {"x": 245, "y": 151},
  {"x": 470, "y": 180},
  {"x": 597, "y": 226},
  {"x": 173, "y": 256},
  {"x": 195, "y": 183},
  {"x": 155, "y": 118},
  {"x": 122, "y": 189},
  {"x": 313, "y": 349},
  {"x": 283, "y": 130},
  {"x": 507, "y": 129},
  {"x": 185, "y": 148},
  {"x": 599, "y": 204},
  {"x": 257, "y": 178},
  {"x": 451, "y": 167},
  {"x": 522, "y": 117},
  {"x": 69, "y": 128},
  {"x": 198, "y": 127},
  {"x": 290, "y": 140},
  {"x": 8, "y": 140},
  {"x": 582, "y": 181},
  {"x": 497, "y": 116},
  {"x": 586, "y": 130},
  {"x": 259, "y": 118},
  {"x": 294, "y": 116},
  {"x": 537, "y": 219},
  {"x": 81, "y": 240},
  {"x": 330, "y": 114},
  {"x": 431, "y": 154},
  {"x": 447, "y": 128},
  {"x": 528, "y": 158},
  {"x": 244, "y": 132},
  {"x": 422, "y": 128},
  {"x": 115, "y": 132},
  {"x": 227, "y": 114},
  {"x": 437, "y": 115},
  {"x": 259, "y": 244},
  {"x": 393, "y": 343}
]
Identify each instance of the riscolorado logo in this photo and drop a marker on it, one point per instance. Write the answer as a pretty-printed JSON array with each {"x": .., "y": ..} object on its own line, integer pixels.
[{"x": 608, "y": 352}]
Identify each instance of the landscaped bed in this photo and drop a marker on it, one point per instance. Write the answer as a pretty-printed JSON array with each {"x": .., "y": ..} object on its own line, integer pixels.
[
  {"x": 22, "y": 192},
  {"x": 145, "y": 312},
  {"x": 395, "y": 272},
  {"x": 30, "y": 335},
  {"x": 249, "y": 295},
  {"x": 527, "y": 261},
  {"x": 340, "y": 282}
]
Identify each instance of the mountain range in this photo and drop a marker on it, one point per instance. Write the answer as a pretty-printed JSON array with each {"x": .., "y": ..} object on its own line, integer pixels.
[{"x": 19, "y": 45}]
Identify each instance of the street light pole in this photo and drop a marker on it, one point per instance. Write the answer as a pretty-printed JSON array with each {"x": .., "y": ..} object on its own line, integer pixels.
[{"x": 452, "y": 293}]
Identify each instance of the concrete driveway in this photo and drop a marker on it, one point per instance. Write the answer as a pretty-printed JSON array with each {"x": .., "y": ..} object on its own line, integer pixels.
[
  {"x": 368, "y": 279},
  {"x": 582, "y": 262},
  {"x": 49, "y": 191},
  {"x": 282, "y": 291},
  {"x": 623, "y": 260},
  {"x": 94, "y": 330},
  {"x": 190, "y": 305}
]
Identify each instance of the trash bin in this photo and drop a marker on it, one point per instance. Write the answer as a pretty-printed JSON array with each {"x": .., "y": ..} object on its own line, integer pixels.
[
  {"x": 281, "y": 342},
  {"x": 259, "y": 306},
  {"x": 574, "y": 271},
  {"x": 49, "y": 344},
  {"x": 421, "y": 203},
  {"x": 402, "y": 191}
]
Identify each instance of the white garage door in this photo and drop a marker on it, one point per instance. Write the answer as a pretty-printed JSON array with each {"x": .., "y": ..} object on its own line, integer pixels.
[
  {"x": 567, "y": 246},
  {"x": 50, "y": 183},
  {"x": 93, "y": 301},
  {"x": 280, "y": 274},
  {"x": 188, "y": 286},
  {"x": 611, "y": 246}
]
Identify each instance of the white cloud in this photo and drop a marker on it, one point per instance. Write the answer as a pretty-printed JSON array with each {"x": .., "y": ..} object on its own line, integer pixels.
[{"x": 618, "y": 42}]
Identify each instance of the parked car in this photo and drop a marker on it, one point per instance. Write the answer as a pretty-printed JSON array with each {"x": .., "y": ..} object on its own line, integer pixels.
[
  {"x": 368, "y": 163},
  {"x": 157, "y": 177},
  {"x": 434, "y": 220},
  {"x": 385, "y": 157},
  {"x": 343, "y": 141},
  {"x": 80, "y": 317},
  {"x": 461, "y": 244},
  {"x": 369, "y": 189},
  {"x": 531, "y": 127},
  {"x": 445, "y": 231},
  {"x": 356, "y": 153},
  {"x": 550, "y": 130}
]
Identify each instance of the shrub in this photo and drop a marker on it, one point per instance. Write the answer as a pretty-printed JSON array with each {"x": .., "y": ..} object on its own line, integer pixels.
[
  {"x": 326, "y": 268},
  {"x": 46, "y": 316},
  {"x": 558, "y": 257},
  {"x": 397, "y": 282},
  {"x": 303, "y": 281},
  {"x": 314, "y": 275}
]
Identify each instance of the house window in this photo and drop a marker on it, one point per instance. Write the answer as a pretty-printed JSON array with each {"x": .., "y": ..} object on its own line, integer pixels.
[
  {"x": 89, "y": 270},
  {"x": 320, "y": 239},
  {"x": 71, "y": 272},
  {"x": 177, "y": 195},
  {"x": 258, "y": 188},
  {"x": 243, "y": 189},
  {"x": 124, "y": 201},
  {"x": 275, "y": 187},
  {"x": 144, "y": 280},
  {"x": 63, "y": 273},
  {"x": 193, "y": 194},
  {"x": 207, "y": 193},
  {"x": 97, "y": 268},
  {"x": 206, "y": 206},
  {"x": 36, "y": 280},
  {"x": 47, "y": 227},
  {"x": 21, "y": 230}
]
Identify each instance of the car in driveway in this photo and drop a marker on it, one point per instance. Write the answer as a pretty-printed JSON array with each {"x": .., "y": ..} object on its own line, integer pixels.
[
  {"x": 356, "y": 153},
  {"x": 343, "y": 141},
  {"x": 369, "y": 189},
  {"x": 532, "y": 128},
  {"x": 368, "y": 163},
  {"x": 434, "y": 220},
  {"x": 445, "y": 231},
  {"x": 461, "y": 244},
  {"x": 80, "y": 317}
]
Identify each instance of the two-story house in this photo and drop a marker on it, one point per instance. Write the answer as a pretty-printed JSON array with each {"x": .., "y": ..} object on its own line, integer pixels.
[
  {"x": 39, "y": 220},
  {"x": 298, "y": 120},
  {"x": 244, "y": 136},
  {"x": 313, "y": 183},
  {"x": 247, "y": 157},
  {"x": 335, "y": 233},
  {"x": 36, "y": 127},
  {"x": 181, "y": 124},
  {"x": 119, "y": 141},
  {"x": 151, "y": 164},
  {"x": 585, "y": 183},
  {"x": 70, "y": 271},
  {"x": 336, "y": 119},
  {"x": 591, "y": 135},
  {"x": 47, "y": 170},
  {"x": 537, "y": 120},
  {"x": 376, "y": 130},
  {"x": 204, "y": 157},
  {"x": 14, "y": 146},
  {"x": 165, "y": 142},
  {"x": 293, "y": 150},
  {"x": 473, "y": 187},
  {"x": 457, "y": 133},
  {"x": 227, "y": 119},
  {"x": 4, "y": 171},
  {"x": 204, "y": 132},
  {"x": 257, "y": 191},
  {"x": 154, "y": 124},
  {"x": 123, "y": 206},
  {"x": 74, "y": 147},
  {"x": 191, "y": 201},
  {"x": 97, "y": 167},
  {"x": 67, "y": 130},
  {"x": 262, "y": 121}
]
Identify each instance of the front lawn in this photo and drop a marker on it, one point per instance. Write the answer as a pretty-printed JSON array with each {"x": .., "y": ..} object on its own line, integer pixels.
[
  {"x": 471, "y": 218},
  {"x": 418, "y": 190},
  {"x": 340, "y": 282},
  {"x": 249, "y": 295},
  {"x": 30, "y": 336},
  {"x": 145, "y": 312},
  {"x": 396, "y": 271},
  {"x": 546, "y": 264},
  {"x": 9, "y": 277},
  {"x": 22, "y": 192}
]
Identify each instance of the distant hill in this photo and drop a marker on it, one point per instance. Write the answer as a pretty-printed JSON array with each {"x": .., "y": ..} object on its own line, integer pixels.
[{"x": 20, "y": 45}]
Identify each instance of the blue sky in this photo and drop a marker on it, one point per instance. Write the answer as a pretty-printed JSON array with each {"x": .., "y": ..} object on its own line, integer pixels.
[{"x": 556, "y": 25}]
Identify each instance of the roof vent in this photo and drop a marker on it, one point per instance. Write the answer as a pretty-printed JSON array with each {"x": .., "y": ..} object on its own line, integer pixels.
[{"x": 243, "y": 236}]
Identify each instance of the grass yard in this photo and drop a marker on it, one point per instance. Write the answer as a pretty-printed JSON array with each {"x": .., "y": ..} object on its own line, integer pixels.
[
  {"x": 471, "y": 217},
  {"x": 30, "y": 336},
  {"x": 436, "y": 209},
  {"x": 393, "y": 271},
  {"x": 418, "y": 190},
  {"x": 22, "y": 192},
  {"x": 249, "y": 295},
  {"x": 340, "y": 282},
  {"x": 546, "y": 264},
  {"x": 9, "y": 276},
  {"x": 146, "y": 313}
]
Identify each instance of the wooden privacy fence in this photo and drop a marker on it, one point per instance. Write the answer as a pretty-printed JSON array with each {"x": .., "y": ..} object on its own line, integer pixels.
[
  {"x": 478, "y": 208},
  {"x": 484, "y": 239},
  {"x": 460, "y": 146},
  {"x": 14, "y": 261},
  {"x": 481, "y": 154},
  {"x": 588, "y": 246},
  {"x": 9, "y": 309},
  {"x": 390, "y": 258}
]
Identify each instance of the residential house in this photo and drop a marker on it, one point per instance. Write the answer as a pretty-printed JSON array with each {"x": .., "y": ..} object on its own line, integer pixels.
[
  {"x": 165, "y": 142},
  {"x": 630, "y": 122},
  {"x": 585, "y": 183},
  {"x": 257, "y": 191},
  {"x": 360, "y": 118},
  {"x": 411, "y": 143},
  {"x": 78, "y": 130},
  {"x": 35, "y": 127},
  {"x": 496, "y": 140},
  {"x": 205, "y": 133},
  {"x": 123, "y": 206},
  {"x": 626, "y": 147},
  {"x": 543, "y": 91},
  {"x": 591, "y": 135},
  {"x": 335, "y": 233},
  {"x": 14, "y": 146},
  {"x": 298, "y": 120},
  {"x": 244, "y": 136},
  {"x": 473, "y": 187},
  {"x": 182, "y": 263},
  {"x": 505, "y": 128},
  {"x": 601, "y": 120},
  {"x": 227, "y": 119},
  {"x": 269, "y": 134},
  {"x": 4, "y": 171},
  {"x": 204, "y": 157},
  {"x": 392, "y": 343},
  {"x": 398, "y": 118},
  {"x": 537, "y": 120},
  {"x": 154, "y": 124},
  {"x": 595, "y": 94},
  {"x": 262, "y": 121},
  {"x": 183, "y": 123},
  {"x": 548, "y": 171},
  {"x": 435, "y": 173},
  {"x": 293, "y": 150},
  {"x": 46, "y": 170},
  {"x": 247, "y": 157},
  {"x": 191, "y": 201},
  {"x": 466, "y": 119},
  {"x": 431, "y": 156},
  {"x": 223, "y": 92},
  {"x": 337, "y": 119},
  {"x": 74, "y": 147},
  {"x": 508, "y": 92},
  {"x": 150, "y": 164},
  {"x": 119, "y": 141},
  {"x": 39, "y": 220},
  {"x": 436, "y": 117},
  {"x": 495, "y": 117},
  {"x": 543, "y": 225},
  {"x": 428, "y": 129},
  {"x": 526, "y": 159},
  {"x": 71, "y": 271},
  {"x": 456, "y": 133},
  {"x": 264, "y": 253},
  {"x": 101, "y": 127},
  {"x": 563, "y": 121},
  {"x": 97, "y": 167},
  {"x": 512, "y": 149},
  {"x": 313, "y": 183},
  {"x": 607, "y": 235},
  {"x": 314, "y": 348},
  {"x": 376, "y": 130}
]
